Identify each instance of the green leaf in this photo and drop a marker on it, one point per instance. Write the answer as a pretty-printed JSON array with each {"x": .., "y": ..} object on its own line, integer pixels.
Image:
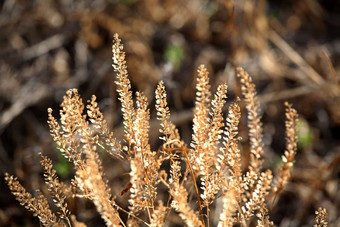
[
  {"x": 304, "y": 133},
  {"x": 63, "y": 167},
  {"x": 174, "y": 54}
]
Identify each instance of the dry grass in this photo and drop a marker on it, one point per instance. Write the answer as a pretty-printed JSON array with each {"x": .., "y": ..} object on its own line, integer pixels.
[{"x": 210, "y": 169}]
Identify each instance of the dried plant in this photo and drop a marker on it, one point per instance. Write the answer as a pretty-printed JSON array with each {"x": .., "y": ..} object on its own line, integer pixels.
[
  {"x": 57, "y": 188},
  {"x": 38, "y": 205},
  {"x": 291, "y": 147},
  {"x": 321, "y": 217},
  {"x": 212, "y": 163}
]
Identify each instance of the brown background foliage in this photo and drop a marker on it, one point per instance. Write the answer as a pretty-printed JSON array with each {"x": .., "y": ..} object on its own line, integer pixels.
[{"x": 47, "y": 47}]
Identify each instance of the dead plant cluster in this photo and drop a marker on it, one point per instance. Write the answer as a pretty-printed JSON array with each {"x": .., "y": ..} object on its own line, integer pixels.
[{"x": 206, "y": 182}]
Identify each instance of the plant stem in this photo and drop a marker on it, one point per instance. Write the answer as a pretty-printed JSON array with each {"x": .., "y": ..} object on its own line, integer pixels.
[{"x": 196, "y": 189}]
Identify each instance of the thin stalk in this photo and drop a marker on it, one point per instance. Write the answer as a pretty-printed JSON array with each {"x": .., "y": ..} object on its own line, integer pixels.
[
  {"x": 148, "y": 211},
  {"x": 184, "y": 149},
  {"x": 196, "y": 189},
  {"x": 129, "y": 213},
  {"x": 208, "y": 212},
  {"x": 66, "y": 218}
]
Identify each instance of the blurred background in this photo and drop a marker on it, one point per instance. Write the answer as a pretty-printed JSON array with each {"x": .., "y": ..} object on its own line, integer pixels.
[{"x": 290, "y": 48}]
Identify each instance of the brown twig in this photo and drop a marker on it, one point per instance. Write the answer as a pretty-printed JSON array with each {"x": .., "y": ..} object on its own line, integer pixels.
[
  {"x": 331, "y": 68},
  {"x": 296, "y": 58}
]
